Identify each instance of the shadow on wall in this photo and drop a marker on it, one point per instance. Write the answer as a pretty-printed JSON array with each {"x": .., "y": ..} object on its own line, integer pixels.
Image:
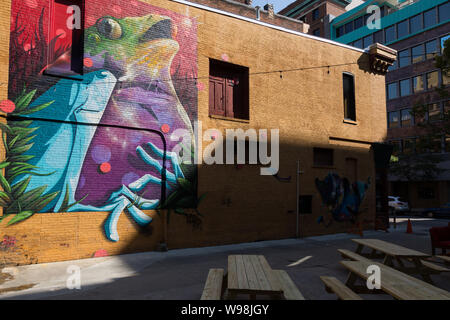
[
  {"x": 66, "y": 185},
  {"x": 239, "y": 205}
]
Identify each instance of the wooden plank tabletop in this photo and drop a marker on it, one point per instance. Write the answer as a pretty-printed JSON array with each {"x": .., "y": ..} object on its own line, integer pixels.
[
  {"x": 390, "y": 248},
  {"x": 397, "y": 284},
  {"x": 445, "y": 258},
  {"x": 251, "y": 274}
]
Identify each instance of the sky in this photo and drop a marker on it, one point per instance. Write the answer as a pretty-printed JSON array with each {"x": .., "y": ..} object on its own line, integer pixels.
[{"x": 277, "y": 4}]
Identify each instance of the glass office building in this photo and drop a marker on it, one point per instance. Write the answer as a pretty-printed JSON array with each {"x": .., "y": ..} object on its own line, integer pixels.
[{"x": 417, "y": 30}]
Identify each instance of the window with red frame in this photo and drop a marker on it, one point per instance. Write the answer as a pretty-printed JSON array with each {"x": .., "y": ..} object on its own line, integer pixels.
[{"x": 65, "y": 56}]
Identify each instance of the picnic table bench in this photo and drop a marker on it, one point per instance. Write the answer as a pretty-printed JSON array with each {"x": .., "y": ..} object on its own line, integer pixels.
[
  {"x": 214, "y": 285},
  {"x": 250, "y": 275},
  {"x": 390, "y": 252},
  {"x": 399, "y": 285},
  {"x": 445, "y": 258},
  {"x": 343, "y": 292}
]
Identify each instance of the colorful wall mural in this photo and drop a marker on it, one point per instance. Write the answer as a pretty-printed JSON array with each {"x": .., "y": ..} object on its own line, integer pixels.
[
  {"x": 341, "y": 197},
  {"x": 94, "y": 141}
]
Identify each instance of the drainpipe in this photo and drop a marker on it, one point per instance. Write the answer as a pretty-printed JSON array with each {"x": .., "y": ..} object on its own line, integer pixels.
[{"x": 298, "y": 196}]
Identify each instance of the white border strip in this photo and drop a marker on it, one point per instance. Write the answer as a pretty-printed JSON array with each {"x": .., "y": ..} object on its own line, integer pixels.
[{"x": 225, "y": 13}]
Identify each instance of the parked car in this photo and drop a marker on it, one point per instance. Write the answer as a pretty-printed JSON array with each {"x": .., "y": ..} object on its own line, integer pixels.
[
  {"x": 397, "y": 204},
  {"x": 442, "y": 212}
]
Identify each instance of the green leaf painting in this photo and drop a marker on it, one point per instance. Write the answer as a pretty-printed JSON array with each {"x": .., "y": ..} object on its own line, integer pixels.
[{"x": 17, "y": 139}]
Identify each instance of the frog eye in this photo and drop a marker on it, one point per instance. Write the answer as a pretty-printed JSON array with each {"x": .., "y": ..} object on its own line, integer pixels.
[{"x": 109, "y": 28}]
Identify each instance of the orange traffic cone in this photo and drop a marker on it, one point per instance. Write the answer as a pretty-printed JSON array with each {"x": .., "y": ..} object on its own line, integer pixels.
[{"x": 409, "y": 227}]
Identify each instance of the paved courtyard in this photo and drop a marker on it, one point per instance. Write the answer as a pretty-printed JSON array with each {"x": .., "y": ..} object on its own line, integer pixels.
[{"x": 180, "y": 274}]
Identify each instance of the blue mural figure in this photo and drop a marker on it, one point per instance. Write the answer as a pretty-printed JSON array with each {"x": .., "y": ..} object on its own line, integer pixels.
[
  {"x": 60, "y": 149},
  {"x": 127, "y": 82},
  {"x": 342, "y": 198}
]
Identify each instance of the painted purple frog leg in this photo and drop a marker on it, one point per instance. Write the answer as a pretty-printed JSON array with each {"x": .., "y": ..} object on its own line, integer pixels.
[
  {"x": 173, "y": 157},
  {"x": 125, "y": 197},
  {"x": 142, "y": 182},
  {"x": 113, "y": 219}
]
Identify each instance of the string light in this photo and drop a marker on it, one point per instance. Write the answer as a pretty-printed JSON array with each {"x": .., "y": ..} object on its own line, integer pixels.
[{"x": 280, "y": 72}]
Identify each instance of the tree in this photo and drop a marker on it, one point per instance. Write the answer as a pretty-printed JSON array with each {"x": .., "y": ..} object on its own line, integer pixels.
[{"x": 423, "y": 165}]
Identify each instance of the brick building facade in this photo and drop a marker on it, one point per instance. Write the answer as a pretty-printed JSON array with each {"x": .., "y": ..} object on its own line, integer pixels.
[
  {"x": 84, "y": 167},
  {"x": 318, "y": 14}
]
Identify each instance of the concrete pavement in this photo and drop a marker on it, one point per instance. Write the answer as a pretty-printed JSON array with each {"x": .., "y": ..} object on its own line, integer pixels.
[{"x": 180, "y": 274}]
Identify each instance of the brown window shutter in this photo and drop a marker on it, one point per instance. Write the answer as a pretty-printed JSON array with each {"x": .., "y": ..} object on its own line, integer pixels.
[
  {"x": 217, "y": 96},
  {"x": 229, "y": 98}
]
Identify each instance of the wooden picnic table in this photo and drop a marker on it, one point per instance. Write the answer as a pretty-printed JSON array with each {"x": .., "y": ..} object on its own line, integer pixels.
[
  {"x": 446, "y": 259},
  {"x": 399, "y": 285},
  {"x": 390, "y": 252},
  {"x": 252, "y": 275}
]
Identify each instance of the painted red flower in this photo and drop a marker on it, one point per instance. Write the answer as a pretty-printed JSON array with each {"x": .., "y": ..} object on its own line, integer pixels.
[
  {"x": 105, "y": 167},
  {"x": 7, "y": 106},
  {"x": 88, "y": 62},
  {"x": 165, "y": 128}
]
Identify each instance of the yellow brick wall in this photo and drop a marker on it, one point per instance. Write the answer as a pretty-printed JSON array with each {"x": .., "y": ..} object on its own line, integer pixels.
[{"x": 240, "y": 205}]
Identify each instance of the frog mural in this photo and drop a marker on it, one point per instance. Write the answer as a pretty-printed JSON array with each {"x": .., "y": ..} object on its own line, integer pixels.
[
  {"x": 342, "y": 198},
  {"x": 128, "y": 82}
]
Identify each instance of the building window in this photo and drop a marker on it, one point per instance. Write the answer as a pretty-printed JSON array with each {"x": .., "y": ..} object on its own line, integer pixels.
[
  {"x": 393, "y": 120},
  {"x": 378, "y": 37},
  {"x": 368, "y": 41},
  {"x": 66, "y": 27},
  {"x": 418, "y": 83},
  {"x": 447, "y": 143},
  {"x": 358, "y": 44},
  {"x": 228, "y": 90},
  {"x": 366, "y": 18},
  {"x": 305, "y": 204},
  {"x": 402, "y": 29},
  {"x": 315, "y": 14},
  {"x": 382, "y": 10},
  {"x": 390, "y": 34},
  {"x": 405, "y": 87},
  {"x": 406, "y": 118},
  {"x": 349, "y": 97},
  {"x": 446, "y": 109},
  {"x": 397, "y": 144},
  {"x": 393, "y": 66},
  {"x": 445, "y": 78},
  {"x": 418, "y": 53},
  {"x": 316, "y": 32},
  {"x": 434, "y": 112},
  {"x": 419, "y": 117},
  {"x": 425, "y": 192},
  {"x": 404, "y": 58},
  {"x": 429, "y": 18},
  {"x": 339, "y": 31},
  {"x": 323, "y": 157},
  {"x": 431, "y": 49},
  {"x": 408, "y": 146},
  {"x": 358, "y": 23},
  {"x": 428, "y": 144},
  {"x": 348, "y": 27},
  {"x": 444, "y": 12},
  {"x": 436, "y": 145},
  {"x": 392, "y": 90},
  {"x": 443, "y": 39},
  {"x": 415, "y": 23},
  {"x": 432, "y": 80}
]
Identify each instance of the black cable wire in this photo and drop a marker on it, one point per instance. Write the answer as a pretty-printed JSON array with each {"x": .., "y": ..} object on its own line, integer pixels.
[
  {"x": 161, "y": 135},
  {"x": 207, "y": 77}
]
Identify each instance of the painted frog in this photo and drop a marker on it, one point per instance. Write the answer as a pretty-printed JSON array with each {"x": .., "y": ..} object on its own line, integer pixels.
[{"x": 126, "y": 82}]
